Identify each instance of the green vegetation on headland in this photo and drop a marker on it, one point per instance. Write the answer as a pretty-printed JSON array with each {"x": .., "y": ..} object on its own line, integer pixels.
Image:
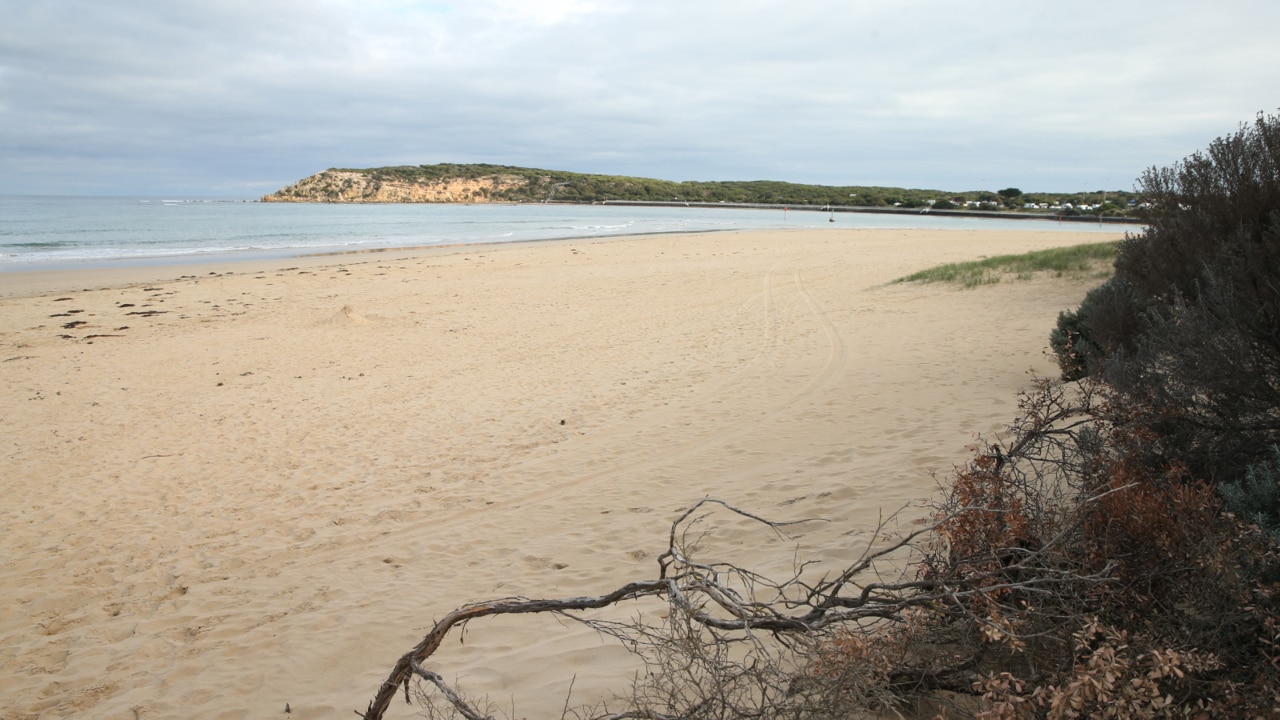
[
  {"x": 1091, "y": 261},
  {"x": 503, "y": 183}
]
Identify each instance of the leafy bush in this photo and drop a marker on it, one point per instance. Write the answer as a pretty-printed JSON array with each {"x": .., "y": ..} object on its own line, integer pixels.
[
  {"x": 1173, "y": 608},
  {"x": 1256, "y": 497},
  {"x": 1110, "y": 678},
  {"x": 1191, "y": 320},
  {"x": 1105, "y": 325}
]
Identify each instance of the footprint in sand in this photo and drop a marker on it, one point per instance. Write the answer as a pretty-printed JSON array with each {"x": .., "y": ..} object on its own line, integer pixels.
[{"x": 543, "y": 562}]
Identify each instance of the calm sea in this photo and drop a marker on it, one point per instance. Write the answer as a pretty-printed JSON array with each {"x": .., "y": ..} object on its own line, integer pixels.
[{"x": 41, "y": 233}]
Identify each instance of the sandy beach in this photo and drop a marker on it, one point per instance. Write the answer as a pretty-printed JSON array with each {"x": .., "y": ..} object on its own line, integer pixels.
[{"x": 256, "y": 485}]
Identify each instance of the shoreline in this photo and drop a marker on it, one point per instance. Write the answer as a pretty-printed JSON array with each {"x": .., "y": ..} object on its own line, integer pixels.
[
  {"x": 365, "y": 229},
  {"x": 24, "y": 283},
  {"x": 28, "y": 283}
]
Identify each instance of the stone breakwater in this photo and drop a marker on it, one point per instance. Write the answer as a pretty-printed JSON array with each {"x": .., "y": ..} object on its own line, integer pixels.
[{"x": 343, "y": 186}]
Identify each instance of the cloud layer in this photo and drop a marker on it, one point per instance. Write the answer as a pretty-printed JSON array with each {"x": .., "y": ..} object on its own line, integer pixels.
[{"x": 237, "y": 98}]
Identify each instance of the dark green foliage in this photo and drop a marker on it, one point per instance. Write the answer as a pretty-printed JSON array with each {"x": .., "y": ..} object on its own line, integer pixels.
[
  {"x": 1256, "y": 498},
  {"x": 1076, "y": 351},
  {"x": 1190, "y": 323},
  {"x": 1106, "y": 323}
]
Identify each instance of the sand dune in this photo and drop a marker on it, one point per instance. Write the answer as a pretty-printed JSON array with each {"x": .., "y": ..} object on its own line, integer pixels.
[{"x": 232, "y": 491}]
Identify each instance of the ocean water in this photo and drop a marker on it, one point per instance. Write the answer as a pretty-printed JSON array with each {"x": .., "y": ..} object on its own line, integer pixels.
[{"x": 41, "y": 233}]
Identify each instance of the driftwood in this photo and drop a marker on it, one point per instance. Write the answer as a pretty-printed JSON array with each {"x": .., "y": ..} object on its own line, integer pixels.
[
  {"x": 677, "y": 587},
  {"x": 720, "y": 604},
  {"x": 409, "y": 664}
]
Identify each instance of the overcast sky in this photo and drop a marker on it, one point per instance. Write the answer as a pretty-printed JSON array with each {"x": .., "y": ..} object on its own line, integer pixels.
[{"x": 237, "y": 98}]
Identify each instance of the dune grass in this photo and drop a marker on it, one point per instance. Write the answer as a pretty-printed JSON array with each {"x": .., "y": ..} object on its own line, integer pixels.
[{"x": 1091, "y": 261}]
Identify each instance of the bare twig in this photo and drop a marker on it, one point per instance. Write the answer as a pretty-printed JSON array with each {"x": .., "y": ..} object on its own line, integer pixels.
[{"x": 715, "y": 605}]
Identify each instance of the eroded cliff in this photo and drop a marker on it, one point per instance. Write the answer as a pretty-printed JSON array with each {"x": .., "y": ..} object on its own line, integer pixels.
[{"x": 348, "y": 186}]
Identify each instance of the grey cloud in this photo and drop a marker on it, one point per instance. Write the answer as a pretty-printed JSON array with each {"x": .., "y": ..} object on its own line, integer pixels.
[{"x": 240, "y": 97}]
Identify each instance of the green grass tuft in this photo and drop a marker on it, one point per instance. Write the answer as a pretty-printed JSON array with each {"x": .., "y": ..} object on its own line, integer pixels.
[{"x": 1092, "y": 261}]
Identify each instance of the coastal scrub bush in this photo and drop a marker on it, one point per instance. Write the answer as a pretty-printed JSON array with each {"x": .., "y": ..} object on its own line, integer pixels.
[
  {"x": 1107, "y": 321},
  {"x": 1111, "y": 677},
  {"x": 1190, "y": 323},
  {"x": 1255, "y": 498},
  {"x": 1173, "y": 608}
]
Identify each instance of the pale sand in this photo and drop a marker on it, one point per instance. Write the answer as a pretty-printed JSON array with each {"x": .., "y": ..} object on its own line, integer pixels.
[{"x": 255, "y": 499}]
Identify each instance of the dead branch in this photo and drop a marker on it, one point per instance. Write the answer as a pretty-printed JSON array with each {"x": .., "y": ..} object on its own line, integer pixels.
[
  {"x": 713, "y": 606},
  {"x": 404, "y": 668}
]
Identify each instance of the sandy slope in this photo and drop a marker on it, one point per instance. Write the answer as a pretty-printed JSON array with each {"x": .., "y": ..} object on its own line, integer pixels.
[{"x": 245, "y": 497}]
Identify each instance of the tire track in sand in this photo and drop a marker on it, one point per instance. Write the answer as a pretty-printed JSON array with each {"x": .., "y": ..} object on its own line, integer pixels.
[{"x": 669, "y": 447}]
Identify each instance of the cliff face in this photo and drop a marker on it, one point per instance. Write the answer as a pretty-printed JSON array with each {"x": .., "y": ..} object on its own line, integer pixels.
[{"x": 343, "y": 186}]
